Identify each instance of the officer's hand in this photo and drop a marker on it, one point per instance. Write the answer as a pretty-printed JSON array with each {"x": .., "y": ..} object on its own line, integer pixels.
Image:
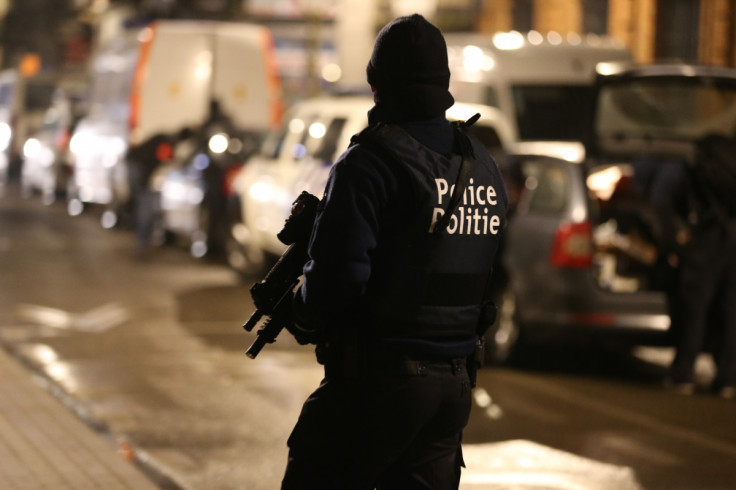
[{"x": 304, "y": 335}]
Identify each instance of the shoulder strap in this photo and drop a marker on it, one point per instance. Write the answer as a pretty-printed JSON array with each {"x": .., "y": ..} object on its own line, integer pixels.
[{"x": 468, "y": 159}]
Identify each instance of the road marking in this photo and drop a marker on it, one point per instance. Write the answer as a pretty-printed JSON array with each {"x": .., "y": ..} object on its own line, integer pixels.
[{"x": 96, "y": 320}]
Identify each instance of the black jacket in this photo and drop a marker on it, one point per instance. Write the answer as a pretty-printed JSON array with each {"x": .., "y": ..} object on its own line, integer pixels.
[{"x": 368, "y": 201}]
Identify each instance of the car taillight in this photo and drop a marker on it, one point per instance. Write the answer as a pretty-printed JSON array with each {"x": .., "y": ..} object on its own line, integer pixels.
[
  {"x": 228, "y": 183},
  {"x": 572, "y": 246}
]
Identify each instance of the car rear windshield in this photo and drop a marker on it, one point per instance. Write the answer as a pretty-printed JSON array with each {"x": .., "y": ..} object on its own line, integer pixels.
[
  {"x": 552, "y": 112},
  {"x": 681, "y": 108}
]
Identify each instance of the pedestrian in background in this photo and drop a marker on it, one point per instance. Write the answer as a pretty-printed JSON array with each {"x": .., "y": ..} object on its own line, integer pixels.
[
  {"x": 142, "y": 161},
  {"x": 707, "y": 270},
  {"x": 395, "y": 295}
]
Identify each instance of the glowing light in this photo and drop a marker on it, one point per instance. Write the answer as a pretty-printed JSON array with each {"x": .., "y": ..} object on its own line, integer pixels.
[
  {"x": 75, "y": 207},
  {"x": 198, "y": 249},
  {"x": 482, "y": 398},
  {"x": 218, "y": 143},
  {"x": 296, "y": 126},
  {"x": 573, "y": 154},
  {"x": 44, "y": 353},
  {"x": 508, "y": 40},
  {"x": 32, "y": 148},
  {"x": 78, "y": 142},
  {"x": 554, "y": 38},
  {"x": 535, "y": 38},
  {"x": 201, "y": 161},
  {"x": 145, "y": 35},
  {"x": 605, "y": 68},
  {"x": 5, "y": 134},
  {"x": 261, "y": 192},
  {"x": 317, "y": 130},
  {"x": 472, "y": 58},
  {"x": 109, "y": 219},
  {"x": 234, "y": 146},
  {"x": 332, "y": 72},
  {"x": 299, "y": 151},
  {"x": 603, "y": 183},
  {"x": 195, "y": 196}
]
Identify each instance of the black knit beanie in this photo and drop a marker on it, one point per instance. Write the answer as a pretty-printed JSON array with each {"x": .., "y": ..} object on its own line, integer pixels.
[{"x": 408, "y": 68}]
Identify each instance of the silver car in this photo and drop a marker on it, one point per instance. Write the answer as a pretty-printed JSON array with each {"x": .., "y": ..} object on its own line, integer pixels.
[{"x": 580, "y": 256}]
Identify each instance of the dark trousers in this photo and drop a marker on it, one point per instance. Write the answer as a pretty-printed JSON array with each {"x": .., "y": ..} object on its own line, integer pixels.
[
  {"x": 385, "y": 431},
  {"x": 707, "y": 305}
]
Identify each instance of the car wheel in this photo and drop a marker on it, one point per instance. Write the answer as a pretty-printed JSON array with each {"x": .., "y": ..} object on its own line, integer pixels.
[{"x": 503, "y": 338}]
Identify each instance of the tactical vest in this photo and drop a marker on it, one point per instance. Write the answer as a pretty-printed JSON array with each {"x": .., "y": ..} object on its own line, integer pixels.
[{"x": 427, "y": 285}]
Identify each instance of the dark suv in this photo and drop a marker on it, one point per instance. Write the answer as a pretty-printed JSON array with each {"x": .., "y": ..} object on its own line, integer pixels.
[{"x": 581, "y": 254}]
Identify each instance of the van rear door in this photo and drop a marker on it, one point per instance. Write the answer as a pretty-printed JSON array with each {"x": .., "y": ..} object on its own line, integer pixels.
[
  {"x": 246, "y": 80},
  {"x": 175, "y": 67}
]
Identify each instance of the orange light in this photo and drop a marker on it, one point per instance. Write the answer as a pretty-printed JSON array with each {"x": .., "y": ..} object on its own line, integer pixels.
[{"x": 30, "y": 65}]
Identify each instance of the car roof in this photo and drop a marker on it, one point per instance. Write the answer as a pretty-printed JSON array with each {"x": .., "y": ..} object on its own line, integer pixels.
[
  {"x": 334, "y": 103},
  {"x": 611, "y": 70}
]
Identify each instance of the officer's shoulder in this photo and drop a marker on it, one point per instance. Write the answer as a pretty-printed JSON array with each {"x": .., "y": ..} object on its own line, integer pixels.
[
  {"x": 374, "y": 134},
  {"x": 370, "y": 142}
]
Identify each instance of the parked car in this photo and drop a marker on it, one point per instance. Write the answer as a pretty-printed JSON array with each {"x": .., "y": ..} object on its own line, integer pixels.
[
  {"x": 196, "y": 189},
  {"x": 580, "y": 256},
  {"x": 23, "y": 103},
  {"x": 162, "y": 78},
  {"x": 45, "y": 167},
  {"x": 299, "y": 157},
  {"x": 543, "y": 85}
]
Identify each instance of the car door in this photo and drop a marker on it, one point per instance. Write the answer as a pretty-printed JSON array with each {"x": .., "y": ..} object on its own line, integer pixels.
[{"x": 548, "y": 239}]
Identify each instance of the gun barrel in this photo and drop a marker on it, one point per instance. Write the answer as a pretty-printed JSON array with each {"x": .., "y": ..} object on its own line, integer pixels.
[
  {"x": 266, "y": 335},
  {"x": 253, "y": 320},
  {"x": 255, "y": 348}
]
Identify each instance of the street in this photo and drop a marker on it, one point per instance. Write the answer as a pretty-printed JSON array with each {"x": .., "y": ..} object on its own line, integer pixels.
[{"x": 152, "y": 352}]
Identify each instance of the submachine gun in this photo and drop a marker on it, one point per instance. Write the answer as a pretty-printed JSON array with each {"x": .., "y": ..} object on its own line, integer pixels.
[{"x": 272, "y": 295}]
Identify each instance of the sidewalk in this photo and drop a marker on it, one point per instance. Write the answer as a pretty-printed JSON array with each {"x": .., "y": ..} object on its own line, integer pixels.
[{"x": 43, "y": 445}]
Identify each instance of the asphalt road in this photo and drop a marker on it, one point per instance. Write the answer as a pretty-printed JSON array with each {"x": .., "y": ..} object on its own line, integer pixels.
[{"x": 153, "y": 353}]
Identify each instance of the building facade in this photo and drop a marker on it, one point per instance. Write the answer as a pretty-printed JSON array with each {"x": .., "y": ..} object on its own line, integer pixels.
[{"x": 697, "y": 31}]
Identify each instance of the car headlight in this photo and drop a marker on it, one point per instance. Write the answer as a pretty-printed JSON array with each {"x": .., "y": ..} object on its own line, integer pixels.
[
  {"x": 31, "y": 148},
  {"x": 218, "y": 143},
  {"x": 78, "y": 142},
  {"x": 5, "y": 134}
]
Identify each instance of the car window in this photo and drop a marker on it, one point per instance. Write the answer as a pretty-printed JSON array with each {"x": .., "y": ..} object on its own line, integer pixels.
[
  {"x": 552, "y": 112},
  {"x": 474, "y": 91},
  {"x": 667, "y": 107},
  {"x": 302, "y": 128},
  {"x": 328, "y": 145},
  {"x": 549, "y": 186},
  {"x": 6, "y": 94},
  {"x": 491, "y": 96},
  {"x": 271, "y": 147}
]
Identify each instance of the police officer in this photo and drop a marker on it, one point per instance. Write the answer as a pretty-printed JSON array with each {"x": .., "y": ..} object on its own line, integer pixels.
[{"x": 393, "y": 292}]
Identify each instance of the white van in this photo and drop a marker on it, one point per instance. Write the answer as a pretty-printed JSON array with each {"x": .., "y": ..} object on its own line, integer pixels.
[
  {"x": 543, "y": 85},
  {"x": 163, "y": 78}
]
